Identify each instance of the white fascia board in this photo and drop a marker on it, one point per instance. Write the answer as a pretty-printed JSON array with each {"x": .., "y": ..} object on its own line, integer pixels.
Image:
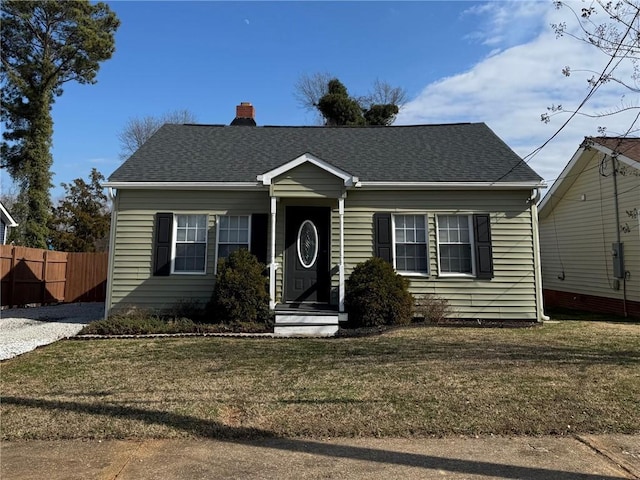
[
  {"x": 566, "y": 173},
  {"x": 621, "y": 157},
  {"x": 10, "y": 221},
  {"x": 185, "y": 185},
  {"x": 267, "y": 177},
  {"x": 451, "y": 185}
]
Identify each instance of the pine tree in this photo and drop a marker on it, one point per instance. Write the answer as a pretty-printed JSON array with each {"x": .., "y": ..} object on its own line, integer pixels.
[
  {"x": 80, "y": 222},
  {"x": 329, "y": 97},
  {"x": 339, "y": 108},
  {"x": 44, "y": 45}
]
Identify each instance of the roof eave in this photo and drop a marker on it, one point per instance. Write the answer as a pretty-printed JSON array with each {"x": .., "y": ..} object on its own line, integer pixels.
[
  {"x": 452, "y": 185},
  {"x": 360, "y": 184},
  {"x": 5, "y": 213},
  {"x": 607, "y": 151},
  {"x": 185, "y": 185}
]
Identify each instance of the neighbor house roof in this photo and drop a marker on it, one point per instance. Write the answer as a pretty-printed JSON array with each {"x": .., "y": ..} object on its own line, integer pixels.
[
  {"x": 468, "y": 152},
  {"x": 626, "y": 146}
]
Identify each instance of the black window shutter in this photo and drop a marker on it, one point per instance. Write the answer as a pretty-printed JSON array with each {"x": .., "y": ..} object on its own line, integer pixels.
[
  {"x": 162, "y": 244},
  {"x": 484, "y": 253},
  {"x": 382, "y": 236},
  {"x": 259, "y": 236}
]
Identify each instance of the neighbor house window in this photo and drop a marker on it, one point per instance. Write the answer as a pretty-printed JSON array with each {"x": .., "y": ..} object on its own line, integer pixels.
[
  {"x": 454, "y": 244},
  {"x": 190, "y": 249},
  {"x": 233, "y": 234},
  {"x": 410, "y": 243}
]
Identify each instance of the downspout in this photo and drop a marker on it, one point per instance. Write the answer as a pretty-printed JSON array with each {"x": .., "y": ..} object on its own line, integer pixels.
[
  {"x": 537, "y": 269},
  {"x": 618, "y": 238},
  {"x": 112, "y": 247}
]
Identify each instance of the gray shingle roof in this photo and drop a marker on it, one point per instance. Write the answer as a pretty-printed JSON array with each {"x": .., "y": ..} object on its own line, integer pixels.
[{"x": 423, "y": 153}]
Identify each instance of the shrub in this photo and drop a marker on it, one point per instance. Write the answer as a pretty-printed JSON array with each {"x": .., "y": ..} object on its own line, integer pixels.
[
  {"x": 185, "y": 308},
  {"x": 240, "y": 293},
  {"x": 432, "y": 308},
  {"x": 376, "y": 295}
]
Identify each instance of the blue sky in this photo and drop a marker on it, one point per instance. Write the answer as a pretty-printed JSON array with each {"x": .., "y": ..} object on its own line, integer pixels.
[{"x": 496, "y": 62}]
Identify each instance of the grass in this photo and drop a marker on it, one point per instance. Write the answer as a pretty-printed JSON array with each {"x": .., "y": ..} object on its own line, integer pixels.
[{"x": 561, "y": 378}]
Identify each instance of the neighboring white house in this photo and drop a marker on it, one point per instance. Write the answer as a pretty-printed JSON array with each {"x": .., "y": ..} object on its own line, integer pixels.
[
  {"x": 590, "y": 230},
  {"x": 6, "y": 222}
]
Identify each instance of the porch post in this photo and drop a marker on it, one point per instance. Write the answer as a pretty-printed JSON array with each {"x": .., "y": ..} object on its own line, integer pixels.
[
  {"x": 272, "y": 265},
  {"x": 341, "y": 266}
]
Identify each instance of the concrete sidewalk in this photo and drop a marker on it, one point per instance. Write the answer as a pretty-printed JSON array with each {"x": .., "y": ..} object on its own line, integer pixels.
[{"x": 592, "y": 457}]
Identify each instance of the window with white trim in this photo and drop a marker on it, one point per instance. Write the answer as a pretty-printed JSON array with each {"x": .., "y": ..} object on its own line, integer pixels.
[
  {"x": 233, "y": 234},
  {"x": 190, "y": 245},
  {"x": 410, "y": 243},
  {"x": 455, "y": 244}
]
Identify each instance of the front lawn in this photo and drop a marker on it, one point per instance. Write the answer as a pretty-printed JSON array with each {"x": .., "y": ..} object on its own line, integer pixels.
[{"x": 560, "y": 378}]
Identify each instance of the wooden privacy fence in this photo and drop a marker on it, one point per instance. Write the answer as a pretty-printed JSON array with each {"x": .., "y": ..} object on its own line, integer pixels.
[{"x": 31, "y": 275}]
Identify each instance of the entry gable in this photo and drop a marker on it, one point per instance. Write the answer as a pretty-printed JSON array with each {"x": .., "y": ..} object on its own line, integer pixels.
[{"x": 347, "y": 179}]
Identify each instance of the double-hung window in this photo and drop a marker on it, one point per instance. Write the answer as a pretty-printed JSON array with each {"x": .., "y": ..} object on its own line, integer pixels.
[
  {"x": 190, "y": 247},
  {"x": 233, "y": 234},
  {"x": 463, "y": 243},
  {"x": 455, "y": 249},
  {"x": 410, "y": 243}
]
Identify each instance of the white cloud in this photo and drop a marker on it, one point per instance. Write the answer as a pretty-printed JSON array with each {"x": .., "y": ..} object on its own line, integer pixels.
[
  {"x": 512, "y": 88},
  {"x": 103, "y": 161},
  {"x": 506, "y": 23}
]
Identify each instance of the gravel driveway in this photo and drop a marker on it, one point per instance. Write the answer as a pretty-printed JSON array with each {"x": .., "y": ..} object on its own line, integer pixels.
[{"x": 24, "y": 329}]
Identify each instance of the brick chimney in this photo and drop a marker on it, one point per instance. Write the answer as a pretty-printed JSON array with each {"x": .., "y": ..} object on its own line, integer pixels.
[{"x": 245, "y": 115}]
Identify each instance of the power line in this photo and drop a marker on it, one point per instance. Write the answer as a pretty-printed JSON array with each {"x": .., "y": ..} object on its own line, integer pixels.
[{"x": 594, "y": 88}]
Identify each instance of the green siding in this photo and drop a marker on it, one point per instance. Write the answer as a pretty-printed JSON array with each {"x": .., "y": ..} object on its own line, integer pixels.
[
  {"x": 576, "y": 236},
  {"x": 133, "y": 284},
  {"x": 509, "y": 295},
  {"x": 307, "y": 181}
]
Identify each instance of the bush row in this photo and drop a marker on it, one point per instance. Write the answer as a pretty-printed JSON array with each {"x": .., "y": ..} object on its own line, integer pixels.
[{"x": 375, "y": 296}]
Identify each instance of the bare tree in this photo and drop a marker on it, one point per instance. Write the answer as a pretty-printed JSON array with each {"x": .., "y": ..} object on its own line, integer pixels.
[
  {"x": 139, "y": 130},
  {"x": 9, "y": 196},
  {"x": 383, "y": 94},
  {"x": 382, "y": 103},
  {"x": 309, "y": 89},
  {"x": 613, "y": 27}
]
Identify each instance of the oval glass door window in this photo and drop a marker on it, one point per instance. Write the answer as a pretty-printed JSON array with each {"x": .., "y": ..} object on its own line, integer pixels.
[{"x": 307, "y": 244}]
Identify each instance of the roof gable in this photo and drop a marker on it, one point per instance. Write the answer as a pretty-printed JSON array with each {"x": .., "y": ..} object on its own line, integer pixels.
[
  {"x": 267, "y": 177},
  {"x": 625, "y": 150}
]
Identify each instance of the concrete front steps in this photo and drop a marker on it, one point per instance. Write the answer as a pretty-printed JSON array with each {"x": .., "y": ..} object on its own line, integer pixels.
[{"x": 306, "y": 322}]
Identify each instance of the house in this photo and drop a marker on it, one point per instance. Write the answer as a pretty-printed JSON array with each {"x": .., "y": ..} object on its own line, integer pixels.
[
  {"x": 452, "y": 207},
  {"x": 6, "y": 222},
  {"x": 590, "y": 230}
]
